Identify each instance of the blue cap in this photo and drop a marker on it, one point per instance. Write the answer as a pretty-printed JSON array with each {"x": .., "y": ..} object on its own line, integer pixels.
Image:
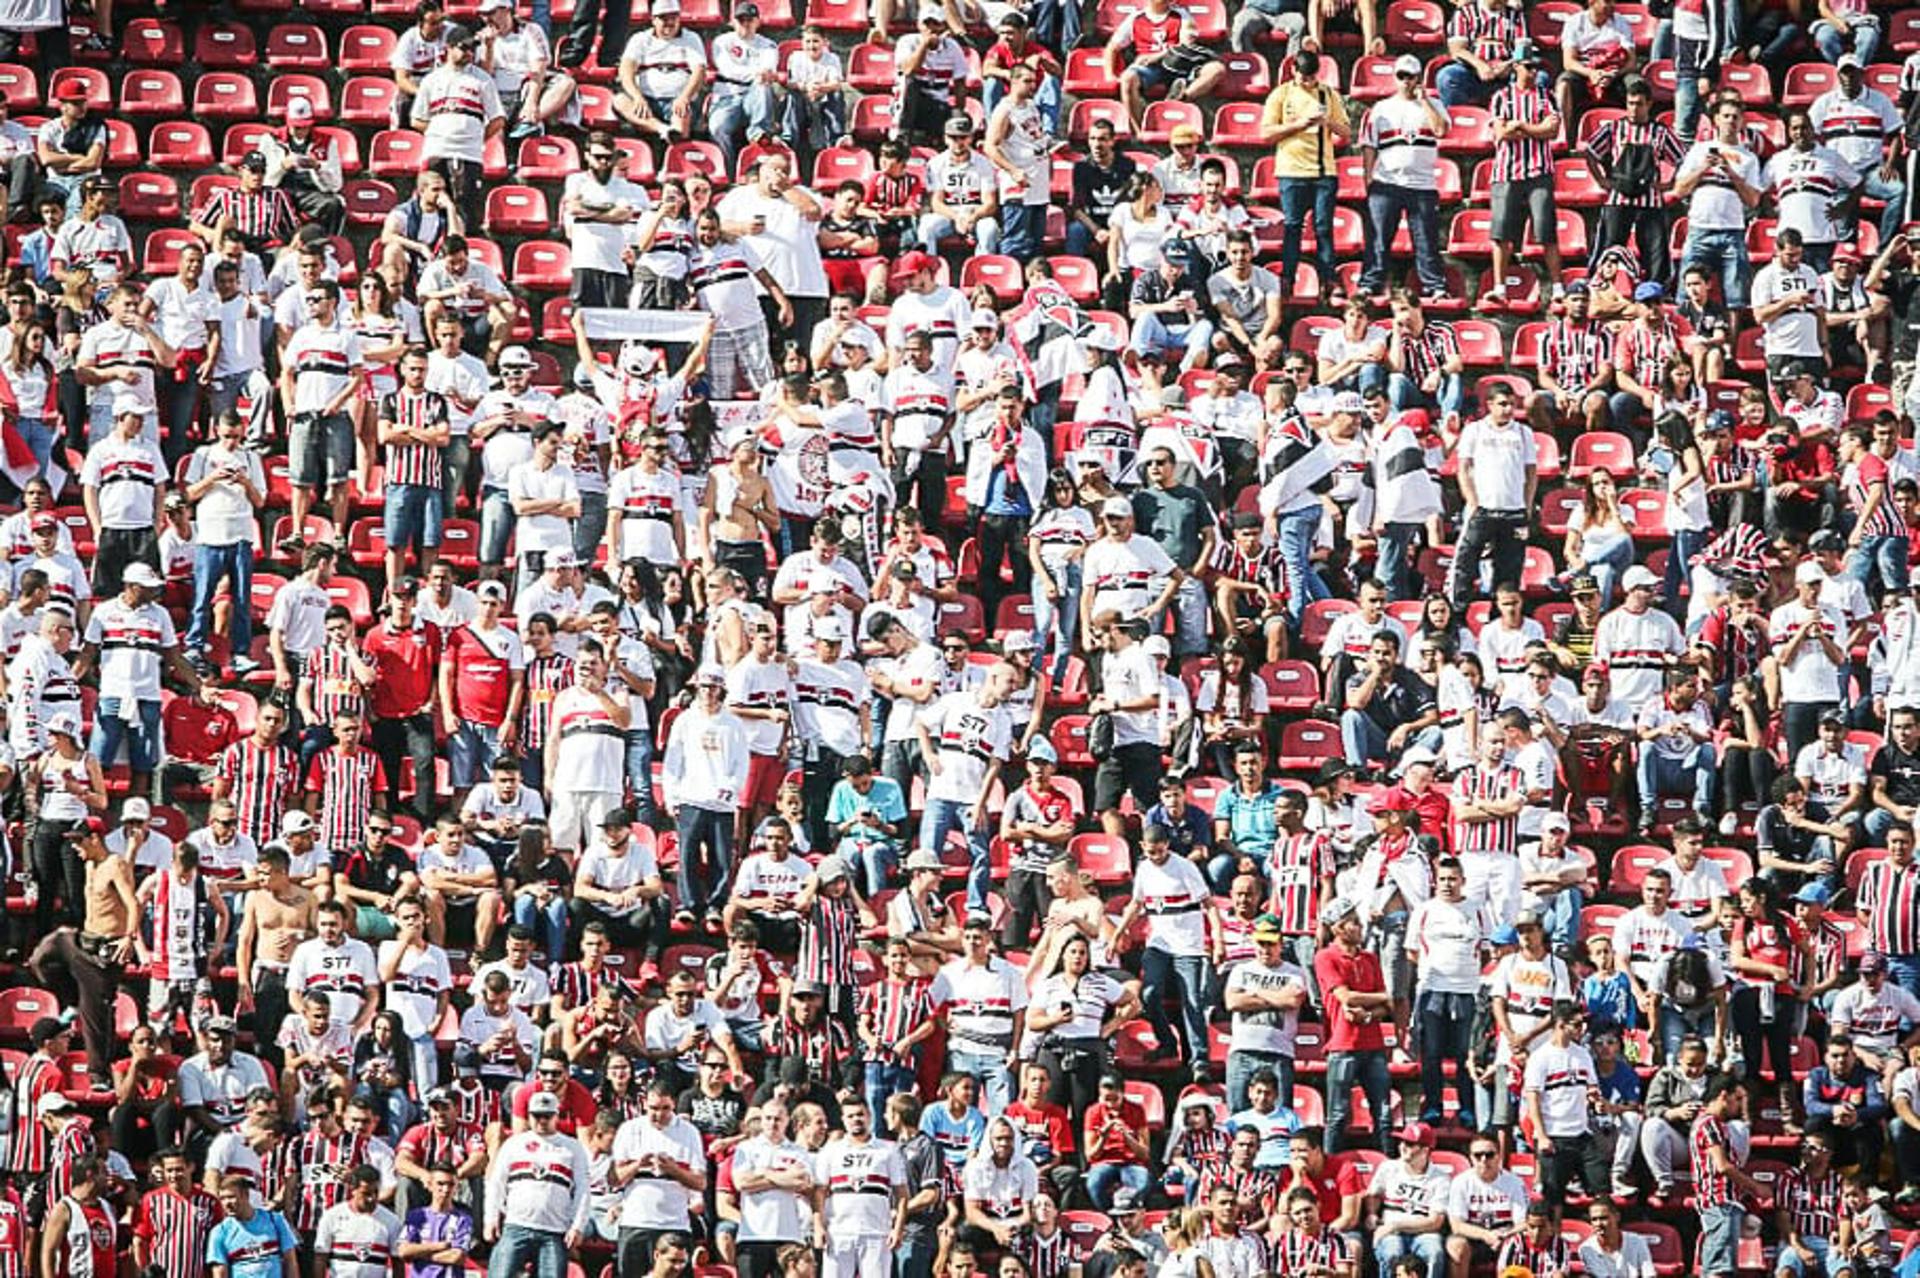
[
  {"x": 1650, "y": 291},
  {"x": 1040, "y": 750},
  {"x": 1814, "y": 892},
  {"x": 1577, "y": 286},
  {"x": 1505, "y": 936}
]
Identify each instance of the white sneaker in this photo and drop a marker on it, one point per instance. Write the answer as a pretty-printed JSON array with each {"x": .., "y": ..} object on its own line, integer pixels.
[
  {"x": 1730, "y": 823},
  {"x": 1495, "y": 296}
]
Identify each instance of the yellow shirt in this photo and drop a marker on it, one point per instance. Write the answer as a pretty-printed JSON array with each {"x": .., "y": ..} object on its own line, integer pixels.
[{"x": 1310, "y": 152}]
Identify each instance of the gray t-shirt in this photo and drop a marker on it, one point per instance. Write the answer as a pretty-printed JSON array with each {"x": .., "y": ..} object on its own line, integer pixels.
[{"x": 1245, "y": 300}]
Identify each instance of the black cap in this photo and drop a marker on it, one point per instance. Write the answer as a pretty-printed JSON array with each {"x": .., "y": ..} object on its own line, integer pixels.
[
  {"x": 255, "y": 160},
  {"x": 458, "y": 35}
]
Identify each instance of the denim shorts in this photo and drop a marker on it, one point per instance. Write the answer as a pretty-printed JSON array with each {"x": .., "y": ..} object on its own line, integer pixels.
[
  {"x": 320, "y": 450},
  {"x": 1720, "y": 1239},
  {"x": 413, "y": 516}
]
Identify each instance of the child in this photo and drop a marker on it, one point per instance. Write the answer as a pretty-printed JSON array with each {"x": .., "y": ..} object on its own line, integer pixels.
[
  {"x": 605, "y": 1220},
  {"x": 1866, "y": 1235},
  {"x": 1607, "y": 992},
  {"x": 317, "y": 1050}
]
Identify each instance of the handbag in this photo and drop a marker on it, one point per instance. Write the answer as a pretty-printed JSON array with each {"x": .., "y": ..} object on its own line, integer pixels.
[{"x": 1100, "y": 735}]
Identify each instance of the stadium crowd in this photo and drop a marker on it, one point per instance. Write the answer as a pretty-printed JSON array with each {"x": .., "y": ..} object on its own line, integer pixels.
[{"x": 1070, "y": 640}]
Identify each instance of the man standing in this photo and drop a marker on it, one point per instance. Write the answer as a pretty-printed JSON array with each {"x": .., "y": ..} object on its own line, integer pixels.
[
  {"x": 1400, "y": 143},
  {"x": 703, "y": 777},
  {"x": 1525, "y": 124},
  {"x": 1627, "y": 154},
  {"x": 227, "y": 484},
  {"x": 860, "y": 1197},
  {"x": 1808, "y": 182},
  {"x": 357, "y": 1237},
  {"x": 1720, "y": 180},
  {"x": 250, "y": 1242},
  {"x": 123, "y": 482},
  {"x": 1858, "y": 122},
  {"x": 1559, "y": 1081},
  {"x": 1131, "y": 693},
  {"x": 1306, "y": 124},
  {"x": 457, "y": 109},
  {"x": 538, "y": 1199},
  {"x": 405, "y": 652},
  {"x": 974, "y": 739},
  {"x": 93, "y": 957},
  {"x": 1499, "y": 478},
  {"x": 321, "y": 373},
  {"x": 1178, "y": 518},
  {"x": 129, "y": 639},
  {"x": 1719, "y": 1179},
  {"x": 1360, "y": 1016}
]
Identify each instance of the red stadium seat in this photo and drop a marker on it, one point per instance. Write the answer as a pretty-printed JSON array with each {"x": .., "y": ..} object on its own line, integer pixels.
[
  {"x": 547, "y": 159},
  {"x": 1471, "y": 134},
  {"x": 1293, "y": 687},
  {"x": 1480, "y": 344},
  {"x": 1069, "y": 737},
  {"x": 1420, "y": 23},
  {"x": 1162, "y": 118},
  {"x": 366, "y": 48},
  {"x": 1750, "y": 80},
  {"x": 368, "y": 99},
  {"x": 1806, "y": 81},
  {"x": 837, "y": 164},
  {"x": 838, "y": 15},
  {"x": 153, "y": 42},
  {"x": 21, "y": 1006},
  {"x": 152, "y": 93},
  {"x": 1079, "y": 277},
  {"x": 1866, "y": 399},
  {"x": 1248, "y": 78},
  {"x": 1471, "y": 234},
  {"x": 516, "y": 210},
  {"x": 297, "y": 46},
  {"x": 1373, "y": 78},
  {"x": 285, "y": 88},
  {"x": 1575, "y": 184},
  {"x": 1236, "y": 124},
  {"x": 240, "y": 139},
  {"x": 1102, "y": 856},
  {"x": 1317, "y": 619},
  {"x": 688, "y": 157},
  {"x": 1087, "y": 76},
  {"x": 205, "y": 185},
  {"x": 369, "y": 200},
  {"x": 997, "y": 272},
  {"x": 873, "y": 117},
  {"x": 542, "y": 264},
  {"x": 161, "y": 253},
  {"x": 1601, "y": 450},
  {"x": 871, "y": 68},
  {"x": 556, "y": 320},
  {"x": 225, "y": 95},
  {"x": 1545, "y": 19},
  {"x": 351, "y": 593},
  {"x": 1307, "y": 743},
  {"x": 225, "y": 46},
  {"x": 19, "y": 86},
  {"x": 149, "y": 197},
  {"x": 1082, "y": 114},
  {"x": 1556, "y": 509},
  {"x": 179, "y": 144}
]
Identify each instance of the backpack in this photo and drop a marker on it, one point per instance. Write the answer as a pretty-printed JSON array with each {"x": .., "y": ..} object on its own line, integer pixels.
[{"x": 1633, "y": 171}]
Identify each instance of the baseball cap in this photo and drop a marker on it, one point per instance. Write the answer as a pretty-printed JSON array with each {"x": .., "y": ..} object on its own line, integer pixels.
[
  {"x": 636, "y": 359},
  {"x": 543, "y": 1102},
  {"x": 516, "y": 357},
  {"x": 1527, "y": 918},
  {"x": 1649, "y": 291},
  {"x": 458, "y": 34},
  {"x": 1504, "y": 936},
  {"x": 1637, "y": 577},
  {"x": 711, "y": 676},
  {"x": 1832, "y": 716},
  {"x": 1872, "y": 961},
  {"x": 43, "y": 522},
  {"x": 1846, "y": 253},
  {"x": 136, "y": 809},
  {"x": 829, "y": 630},
  {"x": 1577, "y": 286},
  {"x": 1814, "y": 892},
  {"x": 1415, "y": 755},
  {"x": 296, "y": 822},
  {"x": 1415, "y": 1134},
  {"x": 142, "y": 575},
  {"x": 1555, "y": 821},
  {"x": 1116, "y": 508},
  {"x": 1525, "y": 50},
  {"x": 1407, "y": 64},
  {"x": 54, "y": 1103},
  {"x": 1847, "y": 62},
  {"x": 72, "y": 91},
  {"x": 1827, "y": 541},
  {"x": 466, "y": 1060},
  {"x": 747, "y": 12},
  {"x": 663, "y": 8},
  {"x": 1337, "y": 909},
  {"x": 812, "y": 989},
  {"x": 46, "y": 1029},
  {"x": 1041, "y": 751},
  {"x": 561, "y": 558},
  {"x": 300, "y": 109},
  {"x": 1267, "y": 928},
  {"x": 983, "y": 318},
  {"x": 831, "y": 870},
  {"x": 491, "y": 590},
  {"x": 1184, "y": 133},
  {"x": 218, "y": 1024},
  {"x": 1391, "y": 799},
  {"x": 1126, "y": 1199},
  {"x": 924, "y": 860},
  {"x": 439, "y": 1096},
  {"x": 959, "y": 126},
  {"x": 1157, "y": 646},
  {"x": 1017, "y": 641},
  {"x": 616, "y": 819},
  {"x": 915, "y": 262},
  {"x": 1808, "y": 574},
  {"x": 64, "y": 722}
]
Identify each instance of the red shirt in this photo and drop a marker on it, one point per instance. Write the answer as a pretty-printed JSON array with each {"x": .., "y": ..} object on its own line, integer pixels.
[
  {"x": 1112, "y": 1147},
  {"x": 1036, "y": 55},
  {"x": 1435, "y": 811},
  {"x": 576, "y": 1105},
  {"x": 1331, "y": 1187},
  {"x": 1046, "y": 1133},
  {"x": 406, "y": 664},
  {"x": 482, "y": 681},
  {"x": 1359, "y": 972}
]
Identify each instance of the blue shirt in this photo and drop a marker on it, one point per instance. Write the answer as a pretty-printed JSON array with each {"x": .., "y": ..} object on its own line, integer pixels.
[
  {"x": 956, "y": 1137},
  {"x": 1193, "y": 830},
  {"x": 1004, "y": 498},
  {"x": 424, "y": 1224},
  {"x": 1275, "y": 1128},
  {"x": 1610, "y": 998},
  {"x": 884, "y": 800},
  {"x": 1253, "y": 820},
  {"x": 252, "y": 1248}
]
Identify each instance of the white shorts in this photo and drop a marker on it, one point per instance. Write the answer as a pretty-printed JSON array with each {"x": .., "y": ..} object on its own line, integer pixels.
[
  {"x": 856, "y": 1258},
  {"x": 577, "y": 815}
]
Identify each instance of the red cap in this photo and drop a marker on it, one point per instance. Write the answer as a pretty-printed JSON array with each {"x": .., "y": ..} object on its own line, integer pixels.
[
  {"x": 1392, "y": 799},
  {"x": 42, "y": 522},
  {"x": 1846, "y": 253},
  {"x": 1418, "y": 420},
  {"x": 915, "y": 262},
  {"x": 1415, "y": 1134},
  {"x": 71, "y": 91}
]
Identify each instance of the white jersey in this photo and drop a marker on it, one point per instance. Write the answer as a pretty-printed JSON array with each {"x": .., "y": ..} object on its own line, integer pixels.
[
  {"x": 343, "y": 972},
  {"x": 540, "y": 1183},
  {"x": 357, "y": 1244},
  {"x": 862, "y": 1179},
  {"x": 592, "y": 747},
  {"x": 417, "y": 984},
  {"x": 453, "y": 109},
  {"x": 658, "y": 1202}
]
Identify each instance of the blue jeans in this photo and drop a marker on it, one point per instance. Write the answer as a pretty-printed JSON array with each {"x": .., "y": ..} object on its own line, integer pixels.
[
  {"x": 1158, "y": 969},
  {"x": 1719, "y": 1239},
  {"x": 989, "y": 1069},
  {"x": 1396, "y": 560},
  {"x": 1886, "y": 556},
  {"x": 916, "y": 1254},
  {"x": 1894, "y": 192},
  {"x": 1104, "y": 1178},
  {"x": 1445, "y": 1022},
  {"x": 1298, "y": 198},
  {"x": 742, "y": 115},
  {"x": 39, "y": 435},
  {"x": 1154, "y": 337},
  {"x": 496, "y": 525},
  {"x": 1660, "y": 774},
  {"x": 1387, "y": 205},
  {"x": 698, "y": 829},
  {"x": 934, "y": 228},
  {"x": 873, "y": 862},
  {"x": 1429, "y": 1249},
  {"x": 1021, "y": 228},
  {"x": 471, "y": 751},
  {"x": 1722, "y": 251},
  {"x": 1404, "y": 393},
  {"x": 142, "y": 738},
  {"x": 1863, "y": 41},
  {"x": 1366, "y": 741},
  {"x": 1904, "y": 971},
  {"x": 548, "y": 923},
  {"x": 943, "y": 815},
  {"x": 1562, "y": 917},
  {"x": 1606, "y": 554},
  {"x": 1687, "y": 542},
  {"x": 1345, "y": 1071},
  {"x": 1242, "y": 1066},
  {"x": 1459, "y": 84},
  {"x": 640, "y": 773},
  {"x": 520, "y": 1246},
  {"x": 211, "y": 566},
  {"x": 1297, "y": 531},
  {"x": 1057, "y": 625},
  {"x": 1675, "y": 1025},
  {"x": 884, "y": 1079}
]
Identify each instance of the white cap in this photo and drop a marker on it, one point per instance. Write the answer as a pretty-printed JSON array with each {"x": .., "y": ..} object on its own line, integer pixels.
[
  {"x": 1847, "y": 60},
  {"x": 561, "y": 558},
  {"x": 1102, "y": 338},
  {"x": 1116, "y": 507},
  {"x": 1637, "y": 576},
  {"x": 136, "y": 809},
  {"x": 295, "y": 822},
  {"x": 710, "y": 676},
  {"x": 54, "y": 1103},
  {"x": 516, "y": 357},
  {"x": 829, "y": 630},
  {"x": 1808, "y": 573},
  {"x": 984, "y": 318},
  {"x": 1555, "y": 821},
  {"x": 64, "y": 722},
  {"x": 1416, "y": 754},
  {"x": 142, "y": 575},
  {"x": 662, "y": 7},
  {"x": 1407, "y": 64},
  {"x": 1157, "y": 646},
  {"x": 299, "y": 109},
  {"x": 1017, "y": 641},
  {"x": 488, "y": 6}
]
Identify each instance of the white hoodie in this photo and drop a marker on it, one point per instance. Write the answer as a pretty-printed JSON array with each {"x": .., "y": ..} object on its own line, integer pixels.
[
  {"x": 539, "y": 1182},
  {"x": 706, "y": 763}
]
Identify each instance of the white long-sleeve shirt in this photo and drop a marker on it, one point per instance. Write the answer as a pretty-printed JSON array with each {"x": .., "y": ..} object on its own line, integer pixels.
[
  {"x": 706, "y": 763},
  {"x": 539, "y": 1182}
]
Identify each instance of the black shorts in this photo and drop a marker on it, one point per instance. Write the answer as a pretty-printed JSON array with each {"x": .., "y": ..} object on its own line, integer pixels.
[
  {"x": 1131, "y": 769},
  {"x": 599, "y": 289},
  {"x": 1514, "y": 203}
]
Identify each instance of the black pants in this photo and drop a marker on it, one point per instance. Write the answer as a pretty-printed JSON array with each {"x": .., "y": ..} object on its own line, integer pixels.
[
  {"x": 1744, "y": 775},
  {"x": 59, "y": 872},
  {"x": 1648, "y": 228},
  {"x": 1800, "y": 723},
  {"x": 465, "y": 181},
  {"x": 1028, "y": 900},
  {"x": 607, "y": 19},
  {"x": 134, "y": 1133},
  {"x": 633, "y": 1253},
  {"x": 270, "y": 1008},
  {"x": 818, "y": 776},
  {"x": 1775, "y": 1035},
  {"x": 63, "y": 964},
  {"x": 759, "y": 1259},
  {"x": 1495, "y": 532},
  {"x": 749, "y": 559},
  {"x": 928, "y": 480},
  {"x": 1581, "y": 1155},
  {"x": 118, "y": 549},
  {"x": 324, "y": 207},
  {"x": 411, "y": 738},
  {"x": 1074, "y": 1067},
  {"x": 644, "y": 929},
  {"x": 1003, "y": 537}
]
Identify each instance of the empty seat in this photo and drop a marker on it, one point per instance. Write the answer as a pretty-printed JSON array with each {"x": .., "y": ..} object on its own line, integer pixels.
[
  {"x": 225, "y": 95},
  {"x": 152, "y": 93},
  {"x": 149, "y": 197},
  {"x": 180, "y": 144},
  {"x": 297, "y": 46},
  {"x": 516, "y": 210},
  {"x": 225, "y": 46},
  {"x": 542, "y": 264},
  {"x": 285, "y": 88},
  {"x": 367, "y": 48},
  {"x": 547, "y": 159},
  {"x": 368, "y": 201},
  {"x": 368, "y": 99},
  {"x": 396, "y": 153},
  {"x": 153, "y": 42}
]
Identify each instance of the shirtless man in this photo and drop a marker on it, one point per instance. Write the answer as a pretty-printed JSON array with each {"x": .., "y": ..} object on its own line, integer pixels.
[
  {"x": 1075, "y": 911},
  {"x": 91, "y": 961},
  {"x": 738, "y": 506},
  {"x": 275, "y": 920}
]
